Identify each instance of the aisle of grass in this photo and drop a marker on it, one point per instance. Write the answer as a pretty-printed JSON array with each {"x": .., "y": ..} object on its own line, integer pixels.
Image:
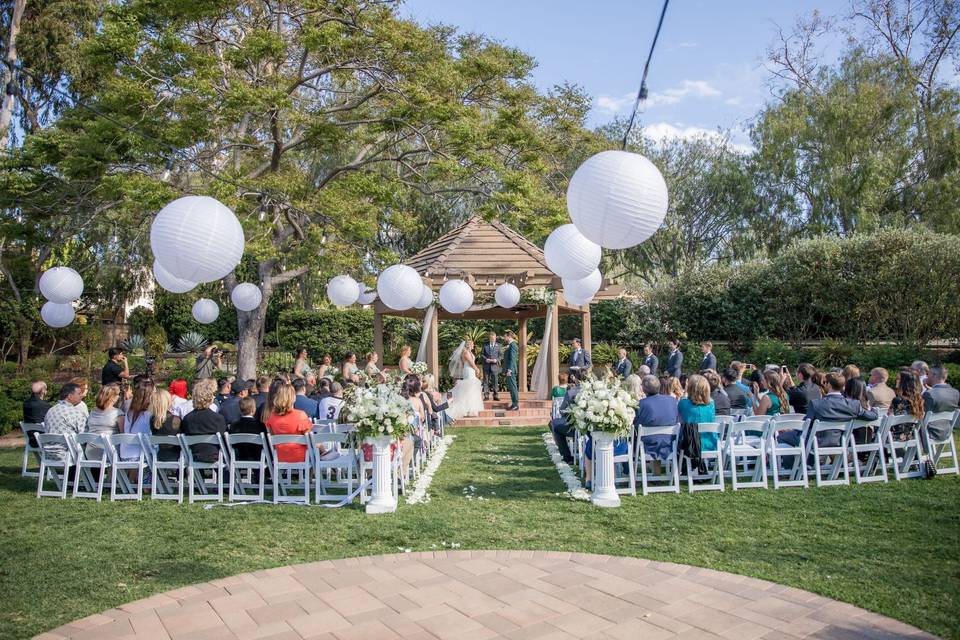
[{"x": 891, "y": 548}]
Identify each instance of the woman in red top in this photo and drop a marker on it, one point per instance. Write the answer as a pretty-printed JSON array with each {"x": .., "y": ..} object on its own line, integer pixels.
[{"x": 282, "y": 419}]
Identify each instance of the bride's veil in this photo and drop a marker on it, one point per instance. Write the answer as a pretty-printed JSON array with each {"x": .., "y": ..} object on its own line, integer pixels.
[{"x": 456, "y": 362}]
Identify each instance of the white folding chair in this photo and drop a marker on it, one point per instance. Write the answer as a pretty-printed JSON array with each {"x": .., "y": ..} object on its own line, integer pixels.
[
  {"x": 777, "y": 450},
  {"x": 938, "y": 450},
  {"x": 904, "y": 455},
  {"x": 740, "y": 413},
  {"x": 712, "y": 460},
  {"x": 30, "y": 450},
  {"x": 341, "y": 459},
  {"x": 744, "y": 446},
  {"x": 56, "y": 459},
  {"x": 246, "y": 475},
  {"x": 555, "y": 408},
  {"x": 671, "y": 466},
  {"x": 196, "y": 477},
  {"x": 86, "y": 463},
  {"x": 874, "y": 469},
  {"x": 835, "y": 455},
  {"x": 724, "y": 422},
  {"x": 790, "y": 416},
  {"x": 119, "y": 467},
  {"x": 283, "y": 473}
]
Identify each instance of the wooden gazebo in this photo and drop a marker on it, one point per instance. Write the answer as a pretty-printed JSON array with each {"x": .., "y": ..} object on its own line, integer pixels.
[{"x": 486, "y": 255}]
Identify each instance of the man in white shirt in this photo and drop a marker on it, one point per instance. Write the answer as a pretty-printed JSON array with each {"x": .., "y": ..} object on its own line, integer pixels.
[
  {"x": 580, "y": 360},
  {"x": 331, "y": 405}
]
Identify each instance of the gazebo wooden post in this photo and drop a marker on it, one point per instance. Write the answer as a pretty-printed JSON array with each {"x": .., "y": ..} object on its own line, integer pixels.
[
  {"x": 585, "y": 330},
  {"x": 378, "y": 334},
  {"x": 553, "y": 354},
  {"x": 522, "y": 339},
  {"x": 433, "y": 346}
]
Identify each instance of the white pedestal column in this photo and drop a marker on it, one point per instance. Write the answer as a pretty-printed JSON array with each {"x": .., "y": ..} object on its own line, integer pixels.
[
  {"x": 604, "y": 489},
  {"x": 382, "y": 499}
]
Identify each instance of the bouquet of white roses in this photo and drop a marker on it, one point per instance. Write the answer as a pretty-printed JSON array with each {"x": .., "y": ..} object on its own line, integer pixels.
[
  {"x": 418, "y": 368},
  {"x": 380, "y": 411},
  {"x": 602, "y": 405}
]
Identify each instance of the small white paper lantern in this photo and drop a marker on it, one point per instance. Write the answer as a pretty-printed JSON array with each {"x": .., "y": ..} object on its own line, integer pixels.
[
  {"x": 169, "y": 282},
  {"x": 569, "y": 254},
  {"x": 507, "y": 295},
  {"x": 426, "y": 298},
  {"x": 343, "y": 291},
  {"x": 197, "y": 239},
  {"x": 581, "y": 291},
  {"x": 205, "y": 311},
  {"x": 399, "y": 287},
  {"x": 246, "y": 296},
  {"x": 456, "y": 296},
  {"x": 368, "y": 295},
  {"x": 617, "y": 199},
  {"x": 61, "y": 285},
  {"x": 57, "y": 314}
]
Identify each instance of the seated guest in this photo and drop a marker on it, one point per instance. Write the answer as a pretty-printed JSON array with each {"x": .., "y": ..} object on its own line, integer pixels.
[
  {"x": 35, "y": 407},
  {"x": 263, "y": 391},
  {"x": 940, "y": 397},
  {"x": 851, "y": 371},
  {"x": 739, "y": 399},
  {"x": 921, "y": 370},
  {"x": 772, "y": 396},
  {"x": 558, "y": 426},
  {"x": 656, "y": 410},
  {"x": 908, "y": 400},
  {"x": 248, "y": 424},
  {"x": 698, "y": 408},
  {"x": 411, "y": 390},
  {"x": 856, "y": 389},
  {"x": 137, "y": 418},
  {"x": 438, "y": 404},
  {"x": 805, "y": 390},
  {"x": 223, "y": 391},
  {"x": 302, "y": 402},
  {"x": 740, "y": 368},
  {"x": 203, "y": 420},
  {"x": 721, "y": 402},
  {"x": 833, "y": 407},
  {"x": 643, "y": 371},
  {"x": 672, "y": 386},
  {"x": 181, "y": 404},
  {"x": 281, "y": 418},
  {"x": 561, "y": 389},
  {"x": 164, "y": 423},
  {"x": 230, "y": 408},
  {"x": 332, "y": 404},
  {"x": 634, "y": 386},
  {"x": 66, "y": 417},
  {"x": 105, "y": 419},
  {"x": 879, "y": 394},
  {"x": 820, "y": 380},
  {"x": 322, "y": 390},
  {"x": 84, "y": 389}
]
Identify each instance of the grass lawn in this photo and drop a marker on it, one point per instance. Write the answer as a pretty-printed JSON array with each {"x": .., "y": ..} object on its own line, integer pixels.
[{"x": 893, "y": 549}]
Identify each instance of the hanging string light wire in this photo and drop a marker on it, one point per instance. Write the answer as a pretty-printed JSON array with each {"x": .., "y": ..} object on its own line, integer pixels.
[{"x": 642, "y": 93}]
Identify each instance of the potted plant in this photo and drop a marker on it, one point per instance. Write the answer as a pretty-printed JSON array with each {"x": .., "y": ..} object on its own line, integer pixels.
[{"x": 381, "y": 416}]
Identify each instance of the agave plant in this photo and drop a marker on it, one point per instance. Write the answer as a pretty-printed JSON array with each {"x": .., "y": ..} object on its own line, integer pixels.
[
  {"x": 191, "y": 342},
  {"x": 135, "y": 344}
]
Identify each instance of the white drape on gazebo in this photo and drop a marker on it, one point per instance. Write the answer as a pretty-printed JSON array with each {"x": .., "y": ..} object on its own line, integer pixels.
[
  {"x": 425, "y": 334},
  {"x": 540, "y": 378}
]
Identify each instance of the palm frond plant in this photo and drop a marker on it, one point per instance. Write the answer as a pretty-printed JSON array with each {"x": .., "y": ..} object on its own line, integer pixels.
[{"x": 135, "y": 344}]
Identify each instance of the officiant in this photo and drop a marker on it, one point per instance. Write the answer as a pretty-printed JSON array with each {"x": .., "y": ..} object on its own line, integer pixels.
[{"x": 491, "y": 355}]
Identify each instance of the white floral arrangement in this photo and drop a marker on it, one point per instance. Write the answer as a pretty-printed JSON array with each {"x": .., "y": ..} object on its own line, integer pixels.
[
  {"x": 602, "y": 405},
  {"x": 418, "y": 368},
  {"x": 380, "y": 411}
]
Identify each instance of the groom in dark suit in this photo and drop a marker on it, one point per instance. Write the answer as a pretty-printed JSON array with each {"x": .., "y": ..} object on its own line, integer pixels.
[
  {"x": 491, "y": 356},
  {"x": 580, "y": 361},
  {"x": 510, "y": 362}
]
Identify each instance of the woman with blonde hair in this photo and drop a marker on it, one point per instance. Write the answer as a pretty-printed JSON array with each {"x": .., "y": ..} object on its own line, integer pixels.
[
  {"x": 164, "y": 423},
  {"x": 671, "y": 386},
  {"x": 634, "y": 386},
  {"x": 405, "y": 364},
  {"x": 372, "y": 370},
  {"x": 203, "y": 420},
  {"x": 698, "y": 408},
  {"x": 283, "y": 419},
  {"x": 105, "y": 419}
]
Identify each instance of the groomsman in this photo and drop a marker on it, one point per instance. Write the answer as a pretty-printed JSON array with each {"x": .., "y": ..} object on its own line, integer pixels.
[
  {"x": 580, "y": 360},
  {"x": 491, "y": 355},
  {"x": 624, "y": 366},
  {"x": 510, "y": 362},
  {"x": 709, "y": 360},
  {"x": 652, "y": 361},
  {"x": 674, "y": 359}
]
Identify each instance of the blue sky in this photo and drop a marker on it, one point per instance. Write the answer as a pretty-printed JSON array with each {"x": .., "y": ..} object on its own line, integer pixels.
[{"x": 707, "y": 73}]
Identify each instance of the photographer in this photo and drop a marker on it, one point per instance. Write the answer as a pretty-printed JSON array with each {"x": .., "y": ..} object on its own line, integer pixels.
[
  {"x": 208, "y": 362},
  {"x": 116, "y": 371}
]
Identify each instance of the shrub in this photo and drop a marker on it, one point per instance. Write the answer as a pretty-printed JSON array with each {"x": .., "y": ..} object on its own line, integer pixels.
[
  {"x": 276, "y": 362},
  {"x": 140, "y": 319},
  {"x": 833, "y": 353},
  {"x": 771, "y": 351},
  {"x": 334, "y": 331},
  {"x": 604, "y": 353},
  {"x": 156, "y": 340},
  {"x": 889, "y": 356}
]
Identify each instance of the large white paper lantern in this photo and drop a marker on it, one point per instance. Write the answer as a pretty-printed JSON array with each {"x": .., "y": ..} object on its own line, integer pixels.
[
  {"x": 197, "y": 238},
  {"x": 569, "y": 254},
  {"x": 426, "y": 298},
  {"x": 343, "y": 291},
  {"x": 170, "y": 282},
  {"x": 205, "y": 311},
  {"x": 368, "y": 295},
  {"x": 57, "y": 314},
  {"x": 507, "y": 295},
  {"x": 399, "y": 287},
  {"x": 61, "y": 285},
  {"x": 456, "y": 296},
  {"x": 617, "y": 199},
  {"x": 246, "y": 296},
  {"x": 581, "y": 291}
]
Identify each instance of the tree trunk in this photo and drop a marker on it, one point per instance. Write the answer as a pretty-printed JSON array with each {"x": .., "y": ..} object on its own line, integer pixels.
[
  {"x": 9, "y": 99},
  {"x": 250, "y": 326},
  {"x": 24, "y": 331}
]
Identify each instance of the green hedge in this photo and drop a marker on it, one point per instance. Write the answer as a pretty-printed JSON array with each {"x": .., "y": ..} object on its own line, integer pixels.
[{"x": 336, "y": 332}]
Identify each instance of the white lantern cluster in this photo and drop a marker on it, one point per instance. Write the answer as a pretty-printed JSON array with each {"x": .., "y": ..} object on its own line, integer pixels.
[
  {"x": 426, "y": 298},
  {"x": 61, "y": 286},
  {"x": 400, "y": 287},
  {"x": 246, "y": 296},
  {"x": 367, "y": 296},
  {"x": 205, "y": 311},
  {"x": 197, "y": 239},
  {"x": 617, "y": 199},
  {"x": 507, "y": 295},
  {"x": 569, "y": 254},
  {"x": 343, "y": 291},
  {"x": 56, "y": 314},
  {"x": 456, "y": 296},
  {"x": 581, "y": 291}
]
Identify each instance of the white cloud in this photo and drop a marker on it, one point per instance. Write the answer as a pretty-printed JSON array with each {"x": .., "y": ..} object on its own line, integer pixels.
[
  {"x": 665, "y": 132},
  {"x": 688, "y": 45},
  {"x": 734, "y": 101},
  {"x": 612, "y": 104},
  {"x": 607, "y": 104}
]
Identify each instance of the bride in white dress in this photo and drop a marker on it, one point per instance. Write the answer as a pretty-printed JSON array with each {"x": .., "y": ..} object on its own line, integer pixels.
[{"x": 466, "y": 397}]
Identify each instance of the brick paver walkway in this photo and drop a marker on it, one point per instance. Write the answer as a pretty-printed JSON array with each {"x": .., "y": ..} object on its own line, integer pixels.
[{"x": 486, "y": 594}]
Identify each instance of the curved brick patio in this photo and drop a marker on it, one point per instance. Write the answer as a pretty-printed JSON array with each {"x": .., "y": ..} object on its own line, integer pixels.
[{"x": 486, "y": 594}]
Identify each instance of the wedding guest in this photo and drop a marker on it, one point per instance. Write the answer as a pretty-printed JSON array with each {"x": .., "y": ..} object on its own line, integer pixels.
[
  {"x": 650, "y": 360},
  {"x": 248, "y": 424},
  {"x": 878, "y": 393},
  {"x": 771, "y": 397},
  {"x": 301, "y": 366},
  {"x": 405, "y": 363},
  {"x": 709, "y": 359},
  {"x": 263, "y": 391},
  {"x": 65, "y": 417},
  {"x": 740, "y": 403},
  {"x": 302, "y": 402},
  {"x": 740, "y": 368},
  {"x": 137, "y": 418},
  {"x": 634, "y": 386},
  {"x": 281, "y": 418},
  {"x": 938, "y": 398},
  {"x": 410, "y": 390},
  {"x": 164, "y": 423},
  {"x": 721, "y": 402},
  {"x": 656, "y": 409},
  {"x": 323, "y": 371},
  {"x": 35, "y": 407},
  {"x": 105, "y": 418},
  {"x": 833, "y": 407},
  {"x": 438, "y": 403},
  {"x": 698, "y": 408},
  {"x": 322, "y": 390},
  {"x": 559, "y": 427},
  {"x": 851, "y": 371},
  {"x": 671, "y": 386},
  {"x": 624, "y": 366},
  {"x": 643, "y": 371},
  {"x": 908, "y": 400},
  {"x": 223, "y": 391},
  {"x": 921, "y": 370},
  {"x": 230, "y": 408},
  {"x": 372, "y": 370},
  {"x": 349, "y": 369},
  {"x": 805, "y": 390},
  {"x": 84, "y": 385},
  {"x": 332, "y": 404},
  {"x": 116, "y": 370},
  {"x": 203, "y": 420},
  {"x": 674, "y": 359},
  {"x": 820, "y": 379},
  {"x": 561, "y": 389}
]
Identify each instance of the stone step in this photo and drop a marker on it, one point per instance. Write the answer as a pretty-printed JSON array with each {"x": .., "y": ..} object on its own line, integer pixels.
[
  {"x": 524, "y": 404},
  {"x": 502, "y": 413}
]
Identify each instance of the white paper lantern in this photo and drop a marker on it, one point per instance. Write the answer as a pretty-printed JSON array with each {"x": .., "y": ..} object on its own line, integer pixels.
[
  {"x": 569, "y": 254},
  {"x": 368, "y": 295},
  {"x": 197, "y": 239},
  {"x": 617, "y": 199},
  {"x": 456, "y": 296},
  {"x": 169, "y": 282},
  {"x": 56, "y": 314},
  {"x": 205, "y": 311},
  {"x": 426, "y": 298},
  {"x": 61, "y": 285},
  {"x": 581, "y": 291},
  {"x": 507, "y": 295},
  {"x": 399, "y": 287},
  {"x": 343, "y": 291},
  {"x": 246, "y": 296}
]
